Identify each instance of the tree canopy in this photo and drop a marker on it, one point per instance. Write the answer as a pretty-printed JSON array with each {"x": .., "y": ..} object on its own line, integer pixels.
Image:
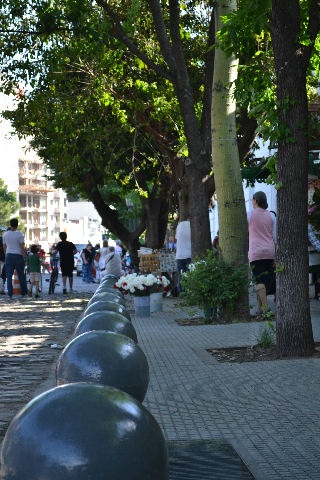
[{"x": 8, "y": 204}]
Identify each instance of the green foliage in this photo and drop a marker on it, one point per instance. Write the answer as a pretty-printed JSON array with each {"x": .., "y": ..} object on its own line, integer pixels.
[
  {"x": 267, "y": 336},
  {"x": 246, "y": 33},
  {"x": 8, "y": 204},
  {"x": 212, "y": 283}
]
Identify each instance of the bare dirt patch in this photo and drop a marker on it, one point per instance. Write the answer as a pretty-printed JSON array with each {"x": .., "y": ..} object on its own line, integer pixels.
[
  {"x": 251, "y": 354},
  {"x": 200, "y": 320}
]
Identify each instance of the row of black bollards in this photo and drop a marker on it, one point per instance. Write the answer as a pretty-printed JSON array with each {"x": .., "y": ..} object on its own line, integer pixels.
[{"x": 92, "y": 426}]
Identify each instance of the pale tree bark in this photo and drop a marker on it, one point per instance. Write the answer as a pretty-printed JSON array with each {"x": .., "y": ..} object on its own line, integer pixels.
[
  {"x": 294, "y": 329},
  {"x": 233, "y": 229}
]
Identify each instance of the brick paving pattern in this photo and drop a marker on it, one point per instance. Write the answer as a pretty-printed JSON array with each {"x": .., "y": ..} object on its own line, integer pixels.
[
  {"x": 269, "y": 411},
  {"x": 28, "y": 328}
]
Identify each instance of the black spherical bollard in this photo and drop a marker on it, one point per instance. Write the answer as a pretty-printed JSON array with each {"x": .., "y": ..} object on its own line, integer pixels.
[
  {"x": 106, "y": 288},
  {"x": 107, "y": 358},
  {"x": 81, "y": 432},
  {"x": 109, "y": 279},
  {"x": 105, "y": 305},
  {"x": 108, "y": 321},
  {"x": 106, "y": 296},
  {"x": 109, "y": 276}
]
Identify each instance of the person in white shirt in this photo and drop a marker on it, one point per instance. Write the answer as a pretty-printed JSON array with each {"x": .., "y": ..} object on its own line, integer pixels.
[
  {"x": 103, "y": 251},
  {"x": 118, "y": 248},
  {"x": 183, "y": 251},
  {"x": 14, "y": 248}
]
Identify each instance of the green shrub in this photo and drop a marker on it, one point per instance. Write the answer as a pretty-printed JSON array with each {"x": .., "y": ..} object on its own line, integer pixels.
[{"x": 212, "y": 284}]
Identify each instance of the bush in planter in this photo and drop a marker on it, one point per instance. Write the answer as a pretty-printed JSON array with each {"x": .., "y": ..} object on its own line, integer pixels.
[{"x": 214, "y": 285}]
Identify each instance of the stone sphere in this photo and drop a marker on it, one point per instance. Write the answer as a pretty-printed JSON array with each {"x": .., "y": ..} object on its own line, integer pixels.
[
  {"x": 107, "y": 358},
  {"x": 106, "y": 288},
  {"x": 106, "y": 296},
  {"x": 81, "y": 432},
  {"x": 109, "y": 276},
  {"x": 109, "y": 279},
  {"x": 105, "y": 305},
  {"x": 108, "y": 321}
]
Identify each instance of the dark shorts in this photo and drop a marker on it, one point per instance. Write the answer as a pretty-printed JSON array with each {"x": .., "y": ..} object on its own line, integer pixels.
[
  {"x": 263, "y": 272},
  {"x": 67, "y": 269}
]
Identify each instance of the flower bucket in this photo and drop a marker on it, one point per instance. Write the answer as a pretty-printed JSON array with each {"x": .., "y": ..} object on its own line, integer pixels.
[
  {"x": 142, "y": 306},
  {"x": 156, "y": 302}
]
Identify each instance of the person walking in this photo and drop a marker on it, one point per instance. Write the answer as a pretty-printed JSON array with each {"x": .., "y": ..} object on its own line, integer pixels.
[
  {"x": 262, "y": 242},
  {"x": 183, "y": 252},
  {"x": 103, "y": 252},
  {"x": 2, "y": 259},
  {"x": 66, "y": 252},
  {"x": 15, "y": 254},
  {"x": 35, "y": 262},
  {"x": 87, "y": 259}
]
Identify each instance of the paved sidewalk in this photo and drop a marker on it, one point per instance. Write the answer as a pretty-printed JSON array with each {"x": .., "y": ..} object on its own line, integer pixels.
[
  {"x": 269, "y": 411},
  {"x": 28, "y": 329}
]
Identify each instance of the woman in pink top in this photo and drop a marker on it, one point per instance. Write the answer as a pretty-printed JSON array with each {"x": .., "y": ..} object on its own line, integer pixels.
[{"x": 262, "y": 241}]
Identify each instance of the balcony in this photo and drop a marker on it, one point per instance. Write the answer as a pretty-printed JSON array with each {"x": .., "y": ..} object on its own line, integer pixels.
[{"x": 35, "y": 189}]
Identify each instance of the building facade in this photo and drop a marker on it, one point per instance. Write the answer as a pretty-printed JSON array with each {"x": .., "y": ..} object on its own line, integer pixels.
[{"x": 43, "y": 208}]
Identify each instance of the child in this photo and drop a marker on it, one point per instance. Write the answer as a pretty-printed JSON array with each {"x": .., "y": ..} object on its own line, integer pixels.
[{"x": 34, "y": 263}]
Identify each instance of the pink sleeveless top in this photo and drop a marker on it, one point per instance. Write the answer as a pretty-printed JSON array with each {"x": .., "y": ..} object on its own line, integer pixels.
[{"x": 261, "y": 227}]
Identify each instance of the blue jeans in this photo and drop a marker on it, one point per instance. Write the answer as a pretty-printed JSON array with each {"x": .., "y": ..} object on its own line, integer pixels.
[
  {"x": 182, "y": 265},
  {"x": 14, "y": 261}
]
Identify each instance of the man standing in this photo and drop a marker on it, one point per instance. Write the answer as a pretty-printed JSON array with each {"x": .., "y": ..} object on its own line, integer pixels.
[
  {"x": 2, "y": 259},
  {"x": 183, "y": 252},
  {"x": 66, "y": 251},
  {"x": 14, "y": 248},
  {"x": 118, "y": 248}
]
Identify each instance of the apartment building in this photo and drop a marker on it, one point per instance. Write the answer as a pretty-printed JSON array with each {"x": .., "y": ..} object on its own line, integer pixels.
[{"x": 43, "y": 209}]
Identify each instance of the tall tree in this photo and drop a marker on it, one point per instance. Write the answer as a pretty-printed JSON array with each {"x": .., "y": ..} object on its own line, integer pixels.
[
  {"x": 273, "y": 85},
  {"x": 226, "y": 164},
  {"x": 294, "y": 27},
  {"x": 170, "y": 40}
]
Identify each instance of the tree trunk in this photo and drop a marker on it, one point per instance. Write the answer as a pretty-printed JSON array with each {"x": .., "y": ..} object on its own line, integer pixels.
[
  {"x": 233, "y": 229},
  {"x": 184, "y": 208},
  {"x": 294, "y": 329},
  {"x": 199, "y": 198},
  {"x": 156, "y": 210}
]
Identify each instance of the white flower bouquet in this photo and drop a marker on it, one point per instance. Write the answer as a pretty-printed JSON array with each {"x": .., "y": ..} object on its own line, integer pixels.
[
  {"x": 137, "y": 285},
  {"x": 162, "y": 285}
]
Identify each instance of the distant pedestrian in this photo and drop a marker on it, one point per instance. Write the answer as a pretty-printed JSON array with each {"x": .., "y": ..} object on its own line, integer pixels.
[
  {"x": 15, "y": 254},
  {"x": 262, "y": 243},
  {"x": 87, "y": 260},
  {"x": 103, "y": 251},
  {"x": 215, "y": 243},
  {"x": 2, "y": 259},
  {"x": 53, "y": 254},
  {"x": 66, "y": 252},
  {"x": 35, "y": 262},
  {"x": 172, "y": 246},
  {"x": 118, "y": 248},
  {"x": 183, "y": 253}
]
